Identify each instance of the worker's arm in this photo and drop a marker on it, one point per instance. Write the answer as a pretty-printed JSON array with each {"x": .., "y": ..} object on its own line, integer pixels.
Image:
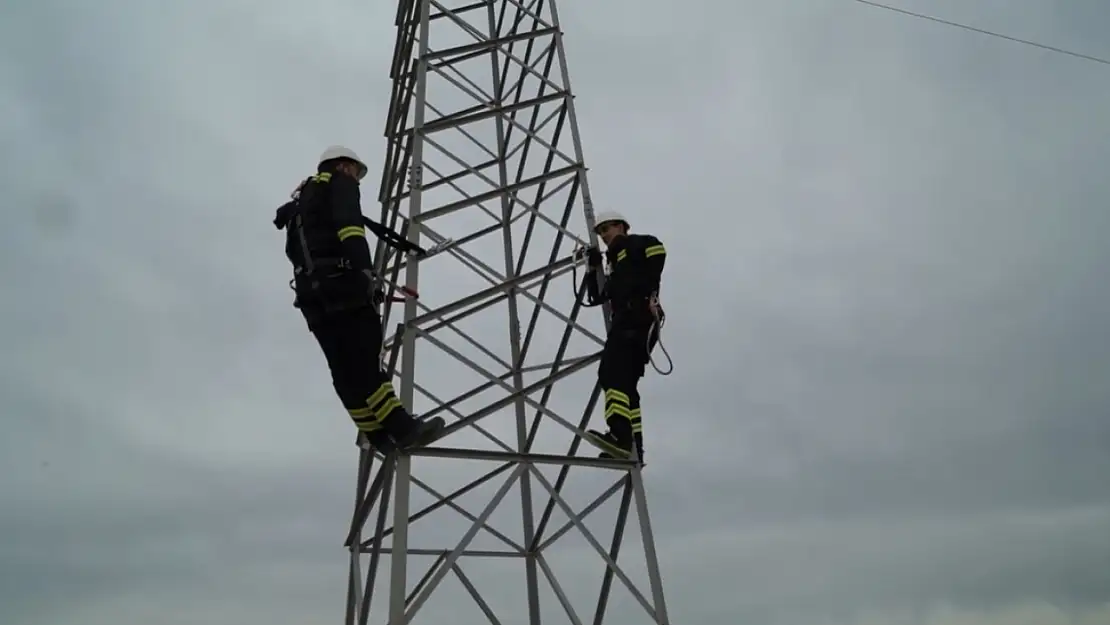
[
  {"x": 346, "y": 213},
  {"x": 639, "y": 267},
  {"x": 594, "y": 295},
  {"x": 286, "y": 211}
]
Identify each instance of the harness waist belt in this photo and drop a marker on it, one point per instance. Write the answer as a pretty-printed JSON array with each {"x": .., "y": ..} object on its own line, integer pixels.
[{"x": 323, "y": 263}]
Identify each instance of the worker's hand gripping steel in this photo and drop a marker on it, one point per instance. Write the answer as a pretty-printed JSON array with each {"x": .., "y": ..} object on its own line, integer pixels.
[
  {"x": 373, "y": 287},
  {"x": 591, "y": 255}
]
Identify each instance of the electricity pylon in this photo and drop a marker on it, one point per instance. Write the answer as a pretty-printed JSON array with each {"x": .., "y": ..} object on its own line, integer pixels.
[{"x": 484, "y": 152}]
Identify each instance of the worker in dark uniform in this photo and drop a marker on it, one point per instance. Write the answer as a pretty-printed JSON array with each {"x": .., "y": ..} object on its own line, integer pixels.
[
  {"x": 632, "y": 290},
  {"x": 338, "y": 294}
]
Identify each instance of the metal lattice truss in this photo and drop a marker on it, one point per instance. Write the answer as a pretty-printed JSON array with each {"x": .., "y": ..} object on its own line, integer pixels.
[{"x": 490, "y": 523}]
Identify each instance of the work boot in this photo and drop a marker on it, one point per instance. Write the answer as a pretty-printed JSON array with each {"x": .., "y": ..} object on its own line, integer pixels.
[
  {"x": 401, "y": 432},
  {"x": 409, "y": 432},
  {"x": 617, "y": 442},
  {"x": 378, "y": 439}
]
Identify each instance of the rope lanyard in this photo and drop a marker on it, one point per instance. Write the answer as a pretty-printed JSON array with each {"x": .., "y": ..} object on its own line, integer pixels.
[{"x": 657, "y": 330}]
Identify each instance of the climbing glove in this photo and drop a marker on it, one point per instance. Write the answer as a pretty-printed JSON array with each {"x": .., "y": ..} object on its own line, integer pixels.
[
  {"x": 373, "y": 287},
  {"x": 593, "y": 257}
]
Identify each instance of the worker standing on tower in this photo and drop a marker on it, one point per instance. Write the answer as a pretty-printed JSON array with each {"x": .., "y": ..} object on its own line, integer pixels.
[
  {"x": 632, "y": 290},
  {"x": 338, "y": 294}
]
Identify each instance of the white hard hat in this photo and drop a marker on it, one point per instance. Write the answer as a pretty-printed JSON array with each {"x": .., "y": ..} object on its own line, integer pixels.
[
  {"x": 338, "y": 151},
  {"x": 610, "y": 216}
]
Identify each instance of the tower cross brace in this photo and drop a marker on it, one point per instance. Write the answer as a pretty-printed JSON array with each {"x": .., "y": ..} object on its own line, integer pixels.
[{"x": 483, "y": 149}]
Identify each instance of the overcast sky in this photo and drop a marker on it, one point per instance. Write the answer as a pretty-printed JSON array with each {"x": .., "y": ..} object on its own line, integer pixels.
[{"x": 886, "y": 299}]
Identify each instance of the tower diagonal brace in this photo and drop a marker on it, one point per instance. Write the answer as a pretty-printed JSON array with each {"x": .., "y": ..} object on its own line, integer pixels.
[{"x": 512, "y": 520}]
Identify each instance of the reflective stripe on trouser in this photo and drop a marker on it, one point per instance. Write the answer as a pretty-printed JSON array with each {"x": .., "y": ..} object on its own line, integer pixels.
[
  {"x": 619, "y": 404},
  {"x": 379, "y": 406}
]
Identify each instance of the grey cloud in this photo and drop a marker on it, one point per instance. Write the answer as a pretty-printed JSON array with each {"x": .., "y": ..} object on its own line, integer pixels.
[
  {"x": 884, "y": 301},
  {"x": 974, "y": 561}
]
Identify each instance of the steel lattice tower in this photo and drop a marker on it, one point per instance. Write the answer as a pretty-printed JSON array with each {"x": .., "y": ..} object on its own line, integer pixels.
[{"x": 484, "y": 152}]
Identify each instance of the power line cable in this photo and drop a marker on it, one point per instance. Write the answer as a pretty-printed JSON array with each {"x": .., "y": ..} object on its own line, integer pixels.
[{"x": 1042, "y": 46}]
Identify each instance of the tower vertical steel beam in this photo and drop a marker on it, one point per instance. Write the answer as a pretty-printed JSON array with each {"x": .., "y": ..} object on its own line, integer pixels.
[{"x": 491, "y": 523}]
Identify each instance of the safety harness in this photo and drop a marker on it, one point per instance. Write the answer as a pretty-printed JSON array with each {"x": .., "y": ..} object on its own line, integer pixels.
[
  {"x": 659, "y": 316},
  {"x": 291, "y": 215}
]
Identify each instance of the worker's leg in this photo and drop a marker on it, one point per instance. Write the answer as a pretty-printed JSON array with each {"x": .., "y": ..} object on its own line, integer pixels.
[
  {"x": 350, "y": 351},
  {"x": 352, "y": 341},
  {"x": 619, "y": 373},
  {"x": 644, "y": 341}
]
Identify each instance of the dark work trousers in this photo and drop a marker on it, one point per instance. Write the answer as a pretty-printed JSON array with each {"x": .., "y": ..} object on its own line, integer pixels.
[
  {"x": 351, "y": 339},
  {"x": 624, "y": 360}
]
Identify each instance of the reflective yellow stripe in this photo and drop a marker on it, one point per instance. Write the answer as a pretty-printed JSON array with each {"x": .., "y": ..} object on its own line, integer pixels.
[
  {"x": 363, "y": 419},
  {"x": 383, "y": 401},
  {"x": 386, "y": 408},
  {"x": 351, "y": 231},
  {"x": 617, "y": 404},
  {"x": 621, "y": 255},
  {"x": 383, "y": 391},
  {"x": 615, "y": 395},
  {"x": 324, "y": 178},
  {"x": 617, "y": 410},
  {"x": 379, "y": 405},
  {"x": 655, "y": 250}
]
